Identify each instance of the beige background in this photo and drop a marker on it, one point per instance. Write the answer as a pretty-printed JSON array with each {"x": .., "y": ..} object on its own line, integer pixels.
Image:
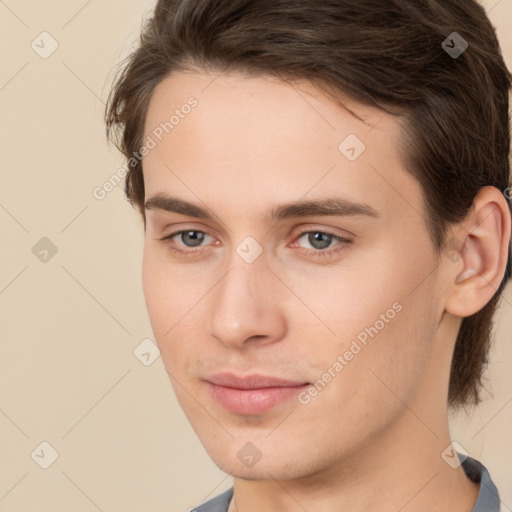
[{"x": 69, "y": 326}]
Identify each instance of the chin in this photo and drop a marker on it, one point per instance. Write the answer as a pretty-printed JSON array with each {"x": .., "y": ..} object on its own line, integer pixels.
[{"x": 278, "y": 466}]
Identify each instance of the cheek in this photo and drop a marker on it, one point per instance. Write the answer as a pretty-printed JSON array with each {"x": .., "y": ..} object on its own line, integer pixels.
[
  {"x": 368, "y": 389},
  {"x": 391, "y": 364},
  {"x": 164, "y": 300},
  {"x": 154, "y": 286},
  {"x": 174, "y": 309},
  {"x": 165, "y": 292},
  {"x": 382, "y": 325}
]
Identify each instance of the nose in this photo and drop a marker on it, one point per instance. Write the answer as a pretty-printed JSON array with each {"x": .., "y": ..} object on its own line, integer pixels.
[{"x": 248, "y": 305}]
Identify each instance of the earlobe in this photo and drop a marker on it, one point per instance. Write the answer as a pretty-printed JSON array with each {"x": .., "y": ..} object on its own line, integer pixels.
[{"x": 484, "y": 238}]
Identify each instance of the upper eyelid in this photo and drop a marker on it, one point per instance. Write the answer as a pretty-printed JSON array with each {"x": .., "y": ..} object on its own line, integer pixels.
[{"x": 304, "y": 227}]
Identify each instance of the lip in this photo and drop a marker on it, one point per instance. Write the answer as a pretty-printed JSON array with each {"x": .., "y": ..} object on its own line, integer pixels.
[{"x": 252, "y": 394}]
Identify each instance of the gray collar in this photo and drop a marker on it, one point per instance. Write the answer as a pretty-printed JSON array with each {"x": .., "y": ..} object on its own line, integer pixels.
[{"x": 488, "y": 497}]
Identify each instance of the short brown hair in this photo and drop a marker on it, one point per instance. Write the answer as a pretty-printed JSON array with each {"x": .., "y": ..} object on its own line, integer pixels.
[{"x": 387, "y": 54}]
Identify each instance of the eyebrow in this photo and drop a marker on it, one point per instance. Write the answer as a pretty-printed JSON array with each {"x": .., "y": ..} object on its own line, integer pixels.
[{"x": 335, "y": 206}]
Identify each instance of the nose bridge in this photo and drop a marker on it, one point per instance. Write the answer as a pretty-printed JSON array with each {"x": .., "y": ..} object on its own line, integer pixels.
[{"x": 246, "y": 302}]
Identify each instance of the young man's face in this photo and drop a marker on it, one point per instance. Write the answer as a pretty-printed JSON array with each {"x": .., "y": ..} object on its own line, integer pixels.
[{"x": 358, "y": 316}]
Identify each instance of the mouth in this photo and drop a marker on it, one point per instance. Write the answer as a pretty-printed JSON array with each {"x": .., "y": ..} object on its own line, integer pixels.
[{"x": 252, "y": 394}]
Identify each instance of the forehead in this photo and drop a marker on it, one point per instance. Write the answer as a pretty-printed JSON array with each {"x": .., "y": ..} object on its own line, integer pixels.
[
  {"x": 270, "y": 141},
  {"x": 264, "y": 103}
]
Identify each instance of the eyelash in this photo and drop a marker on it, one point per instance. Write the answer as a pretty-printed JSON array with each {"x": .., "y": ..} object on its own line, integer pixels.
[{"x": 343, "y": 242}]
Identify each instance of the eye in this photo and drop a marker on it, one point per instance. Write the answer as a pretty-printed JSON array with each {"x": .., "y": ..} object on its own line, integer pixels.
[
  {"x": 322, "y": 243},
  {"x": 191, "y": 240},
  {"x": 318, "y": 239}
]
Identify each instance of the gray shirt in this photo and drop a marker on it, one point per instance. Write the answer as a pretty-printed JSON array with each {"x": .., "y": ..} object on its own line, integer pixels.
[{"x": 488, "y": 497}]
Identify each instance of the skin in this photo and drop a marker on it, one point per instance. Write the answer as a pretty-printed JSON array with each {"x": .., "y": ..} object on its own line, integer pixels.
[{"x": 372, "y": 438}]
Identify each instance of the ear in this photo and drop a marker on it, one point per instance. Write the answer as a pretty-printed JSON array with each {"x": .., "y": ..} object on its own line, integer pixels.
[{"x": 479, "y": 253}]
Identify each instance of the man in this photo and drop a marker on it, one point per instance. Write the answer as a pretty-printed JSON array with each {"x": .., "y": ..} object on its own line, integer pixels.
[{"x": 323, "y": 187}]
